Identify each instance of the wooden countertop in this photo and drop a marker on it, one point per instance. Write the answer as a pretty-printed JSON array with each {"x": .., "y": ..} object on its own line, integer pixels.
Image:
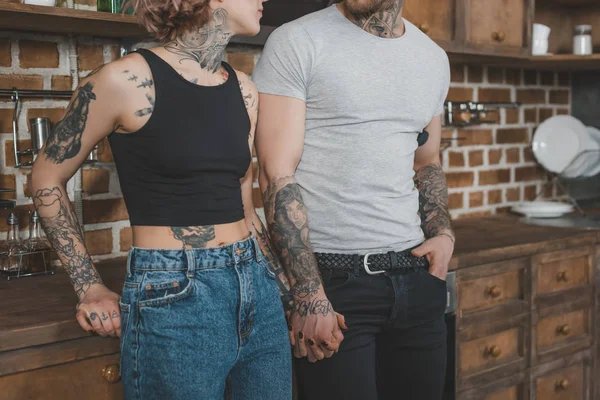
[{"x": 41, "y": 310}]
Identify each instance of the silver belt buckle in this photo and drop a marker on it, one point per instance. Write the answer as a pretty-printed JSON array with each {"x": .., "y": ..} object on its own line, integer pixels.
[{"x": 366, "y": 263}]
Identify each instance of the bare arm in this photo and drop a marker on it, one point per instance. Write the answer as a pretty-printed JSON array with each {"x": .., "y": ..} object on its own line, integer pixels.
[{"x": 279, "y": 143}]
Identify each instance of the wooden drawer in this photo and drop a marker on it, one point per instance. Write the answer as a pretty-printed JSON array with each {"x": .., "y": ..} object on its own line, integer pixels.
[
  {"x": 489, "y": 351},
  {"x": 436, "y": 18},
  {"x": 556, "y": 330},
  {"x": 564, "y": 384},
  {"x": 78, "y": 380},
  {"x": 514, "y": 387},
  {"x": 562, "y": 270},
  {"x": 497, "y": 23}
]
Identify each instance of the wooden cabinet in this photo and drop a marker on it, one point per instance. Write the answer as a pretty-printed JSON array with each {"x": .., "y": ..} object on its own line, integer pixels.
[{"x": 436, "y": 18}]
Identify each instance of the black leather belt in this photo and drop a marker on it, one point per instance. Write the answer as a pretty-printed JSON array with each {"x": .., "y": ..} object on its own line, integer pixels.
[{"x": 372, "y": 263}]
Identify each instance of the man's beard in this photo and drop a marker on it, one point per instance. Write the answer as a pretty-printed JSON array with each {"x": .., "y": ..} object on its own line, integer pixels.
[{"x": 368, "y": 7}]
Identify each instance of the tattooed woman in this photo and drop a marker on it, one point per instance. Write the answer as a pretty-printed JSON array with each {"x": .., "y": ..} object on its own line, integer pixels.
[{"x": 200, "y": 314}]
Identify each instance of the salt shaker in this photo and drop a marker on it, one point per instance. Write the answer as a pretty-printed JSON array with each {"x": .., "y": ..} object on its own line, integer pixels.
[
  {"x": 36, "y": 237},
  {"x": 13, "y": 241},
  {"x": 582, "y": 41}
]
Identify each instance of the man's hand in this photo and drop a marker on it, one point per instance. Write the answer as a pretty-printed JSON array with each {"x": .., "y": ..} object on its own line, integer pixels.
[
  {"x": 316, "y": 328},
  {"x": 438, "y": 251},
  {"x": 98, "y": 311}
]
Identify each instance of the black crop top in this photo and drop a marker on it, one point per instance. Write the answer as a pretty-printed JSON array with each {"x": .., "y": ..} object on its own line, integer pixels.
[{"x": 184, "y": 166}]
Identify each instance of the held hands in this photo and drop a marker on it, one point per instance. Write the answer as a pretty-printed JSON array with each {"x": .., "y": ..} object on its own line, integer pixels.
[
  {"x": 98, "y": 311},
  {"x": 438, "y": 251},
  {"x": 315, "y": 329}
]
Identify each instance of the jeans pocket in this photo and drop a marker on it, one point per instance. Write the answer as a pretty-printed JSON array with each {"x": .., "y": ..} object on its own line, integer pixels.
[
  {"x": 160, "y": 288},
  {"x": 333, "y": 280},
  {"x": 433, "y": 277}
]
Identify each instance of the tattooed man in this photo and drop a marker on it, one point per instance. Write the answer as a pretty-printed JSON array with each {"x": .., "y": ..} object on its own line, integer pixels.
[
  {"x": 200, "y": 314},
  {"x": 348, "y": 143}
]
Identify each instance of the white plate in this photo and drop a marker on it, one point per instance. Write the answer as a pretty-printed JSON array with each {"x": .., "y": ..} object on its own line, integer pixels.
[
  {"x": 593, "y": 158},
  {"x": 536, "y": 213},
  {"x": 545, "y": 206},
  {"x": 557, "y": 141}
]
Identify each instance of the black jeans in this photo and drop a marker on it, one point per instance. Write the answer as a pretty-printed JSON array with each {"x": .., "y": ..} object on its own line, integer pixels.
[{"x": 395, "y": 345}]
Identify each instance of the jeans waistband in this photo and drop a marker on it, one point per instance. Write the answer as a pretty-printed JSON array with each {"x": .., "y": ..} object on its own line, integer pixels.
[{"x": 141, "y": 259}]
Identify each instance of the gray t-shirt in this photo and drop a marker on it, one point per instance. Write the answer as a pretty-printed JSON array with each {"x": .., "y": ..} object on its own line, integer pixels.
[{"x": 367, "y": 98}]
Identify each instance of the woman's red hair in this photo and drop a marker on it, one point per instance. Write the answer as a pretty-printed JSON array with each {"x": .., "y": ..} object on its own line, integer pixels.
[{"x": 166, "y": 19}]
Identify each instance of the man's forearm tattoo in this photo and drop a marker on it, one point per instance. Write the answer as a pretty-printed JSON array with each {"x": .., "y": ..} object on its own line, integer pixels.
[
  {"x": 313, "y": 307},
  {"x": 205, "y": 45},
  {"x": 65, "y": 140},
  {"x": 193, "y": 237},
  {"x": 65, "y": 235},
  {"x": 381, "y": 23},
  {"x": 288, "y": 226},
  {"x": 433, "y": 200}
]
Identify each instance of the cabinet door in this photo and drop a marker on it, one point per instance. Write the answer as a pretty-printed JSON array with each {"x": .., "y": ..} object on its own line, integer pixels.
[
  {"x": 498, "y": 26},
  {"x": 436, "y": 18},
  {"x": 564, "y": 384}
]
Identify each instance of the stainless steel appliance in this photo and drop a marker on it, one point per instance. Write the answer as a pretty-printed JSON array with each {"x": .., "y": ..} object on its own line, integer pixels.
[{"x": 40, "y": 129}]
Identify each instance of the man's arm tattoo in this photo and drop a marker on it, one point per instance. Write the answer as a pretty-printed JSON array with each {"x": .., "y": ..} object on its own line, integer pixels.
[
  {"x": 313, "y": 307},
  {"x": 433, "y": 200},
  {"x": 193, "y": 237},
  {"x": 65, "y": 235},
  {"x": 65, "y": 140},
  {"x": 288, "y": 227}
]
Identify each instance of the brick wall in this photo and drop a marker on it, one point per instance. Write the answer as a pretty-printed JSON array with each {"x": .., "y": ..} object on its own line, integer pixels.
[{"x": 487, "y": 172}]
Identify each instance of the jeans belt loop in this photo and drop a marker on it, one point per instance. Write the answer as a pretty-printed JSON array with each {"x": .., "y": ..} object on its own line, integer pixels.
[
  {"x": 393, "y": 259},
  {"x": 191, "y": 263}
]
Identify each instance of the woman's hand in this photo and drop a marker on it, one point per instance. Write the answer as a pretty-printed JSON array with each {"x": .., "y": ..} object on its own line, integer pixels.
[{"x": 98, "y": 311}]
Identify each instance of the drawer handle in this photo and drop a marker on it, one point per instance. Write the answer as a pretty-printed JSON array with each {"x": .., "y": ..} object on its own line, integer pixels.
[
  {"x": 111, "y": 373},
  {"x": 562, "y": 276},
  {"x": 493, "y": 351},
  {"x": 493, "y": 291},
  {"x": 498, "y": 36},
  {"x": 424, "y": 27},
  {"x": 563, "y": 330},
  {"x": 563, "y": 384}
]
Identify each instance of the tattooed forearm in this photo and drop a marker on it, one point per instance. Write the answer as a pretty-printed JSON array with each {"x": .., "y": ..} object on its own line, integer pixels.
[
  {"x": 65, "y": 140},
  {"x": 433, "y": 200},
  {"x": 288, "y": 227},
  {"x": 205, "y": 45},
  {"x": 383, "y": 22},
  {"x": 65, "y": 235},
  {"x": 193, "y": 237},
  {"x": 313, "y": 307}
]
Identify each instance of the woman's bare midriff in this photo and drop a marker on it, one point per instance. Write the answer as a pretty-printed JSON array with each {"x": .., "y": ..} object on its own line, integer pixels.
[{"x": 178, "y": 237}]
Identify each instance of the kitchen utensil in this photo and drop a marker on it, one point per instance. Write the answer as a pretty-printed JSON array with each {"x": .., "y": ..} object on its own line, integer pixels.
[
  {"x": 540, "y": 36},
  {"x": 557, "y": 142},
  {"x": 542, "y": 209},
  {"x": 582, "y": 40},
  {"x": 40, "y": 129}
]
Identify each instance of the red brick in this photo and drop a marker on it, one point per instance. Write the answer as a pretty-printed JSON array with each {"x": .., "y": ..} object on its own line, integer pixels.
[
  {"x": 9, "y": 151},
  {"x": 125, "y": 239},
  {"x": 528, "y": 173},
  {"x": 475, "y": 158},
  {"x": 115, "y": 53},
  {"x": 475, "y": 199},
  {"x": 95, "y": 180},
  {"x": 545, "y": 113},
  {"x": 513, "y": 155},
  {"x": 547, "y": 78},
  {"x": 475, "y": 74},
  {"x": 531, "y": 115},
  {"x": 495, "y": 75},
  {"x": 6, "y": 120},
  {"x": 457, "y": 72},
  {"x": 513, "y": 115},
  {"x": 503, "y": 210},
  {"x": 257, "y": 198},
  {"x": 513, "y": 76},
  {"x": 61, "y": 82},
  {"x": 460, "y": 179},
  {"x": 495, "y": 196},
  {"x": 27, "y": 186},
  {"x": 460, "y": 94},
  {"x": 456, "y": 159},
  {"x": 5, "y": 53},
  {"x": 447, "y": 133},
  {"x": 531, "y": 96},
  {"x": 494, "y": 177},
  {"x": 8, "y": 181},
  {"x": 104, "y": 152},
  {"x": 563, "y": 111},
  {"x": 559, "y": 97},
  {"x": 90, "y": 56},
  {"x": 473, "y": 137},
  {"x": 513, "y": 194},
  {"x": 530, "y": 193},
  {"x": 512, "y": 135},
  {"x": 38, "y": 54},
  {"x": 455, "y": 201},
  {"x": 254, "y": 171},
  {"x": 494, "y": 156},
  {"x": 494, "y": 95},
  {"x": 55, "y": 114},
  {"x": 530, "y": 77},
  {"x": 528, "y": 155},
  {"x": 564, "y": 79},
  {"x": 28, "y": 82},
  {"x": 109, "y": 210},
  {"x": 99, "y": 242},
  {"x": 242, "y": 62},
  {"x": 476, "y": 214}
]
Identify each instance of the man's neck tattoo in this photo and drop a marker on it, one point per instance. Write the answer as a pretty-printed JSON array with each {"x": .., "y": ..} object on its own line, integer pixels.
[
  {"x": 382, "y": 23},
  {"x": 206, "y": 45}
]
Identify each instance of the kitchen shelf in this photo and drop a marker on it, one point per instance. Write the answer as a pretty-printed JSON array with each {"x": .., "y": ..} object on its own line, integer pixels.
[
  {"x": 25, "y": 17},
  {"x": 565, "y": 62}
]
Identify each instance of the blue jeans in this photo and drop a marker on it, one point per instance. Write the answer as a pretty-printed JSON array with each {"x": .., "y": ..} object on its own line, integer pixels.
[{"x": 203, "y": 324}]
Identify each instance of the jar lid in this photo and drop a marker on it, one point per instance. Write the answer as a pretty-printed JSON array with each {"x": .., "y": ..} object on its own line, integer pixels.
[
  {"x": 12, "y": 219},
  {"x": 583, "y": 29}
]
